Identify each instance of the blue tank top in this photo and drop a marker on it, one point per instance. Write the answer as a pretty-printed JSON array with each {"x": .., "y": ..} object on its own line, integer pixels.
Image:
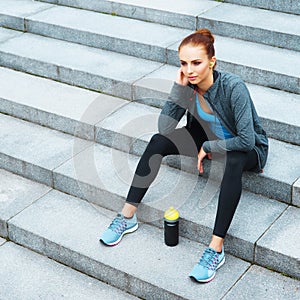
[{"x": 214, "y": 124}]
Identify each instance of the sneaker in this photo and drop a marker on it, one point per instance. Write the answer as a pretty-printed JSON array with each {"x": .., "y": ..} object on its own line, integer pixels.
[
  {"x": 209, "y": 263},
  {"x": 118, "y": 227}
]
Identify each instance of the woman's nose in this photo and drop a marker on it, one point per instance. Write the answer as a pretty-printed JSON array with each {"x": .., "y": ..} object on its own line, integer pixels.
[{"x": 189, "y": 68}]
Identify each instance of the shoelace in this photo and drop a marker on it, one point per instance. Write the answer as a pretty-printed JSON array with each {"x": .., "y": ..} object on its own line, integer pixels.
[
  {"x": 118, "y": 225},
  {"x": 209, "y": 259}
]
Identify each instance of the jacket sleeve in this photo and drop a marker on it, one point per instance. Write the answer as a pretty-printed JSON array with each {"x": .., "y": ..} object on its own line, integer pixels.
[
  {"x": 175, "y": 108},
  {"x": 244, "y": 139}
]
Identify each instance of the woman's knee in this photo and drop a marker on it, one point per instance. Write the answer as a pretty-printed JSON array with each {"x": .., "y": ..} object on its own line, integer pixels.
[{"x": 158, "y": 144}]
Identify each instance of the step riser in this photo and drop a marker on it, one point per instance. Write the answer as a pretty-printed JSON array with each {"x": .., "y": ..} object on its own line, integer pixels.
[
  {"x": 250, "y": 34},
  {"x": 66, "y": 75},
  {"x": 292, "y": 6},
  {"x": 99, "y": 41},
  {"x": 121, "y": 280}
]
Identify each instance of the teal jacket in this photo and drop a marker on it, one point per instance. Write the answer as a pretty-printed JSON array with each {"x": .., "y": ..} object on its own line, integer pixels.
[{"x": 231, "y": 103}]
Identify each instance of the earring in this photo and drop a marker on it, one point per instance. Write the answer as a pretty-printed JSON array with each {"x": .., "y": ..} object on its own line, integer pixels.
[{"x": 211, "y": 64}]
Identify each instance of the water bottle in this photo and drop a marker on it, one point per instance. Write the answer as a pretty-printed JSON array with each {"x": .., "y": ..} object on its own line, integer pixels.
[{"x": 171, "y": 226}]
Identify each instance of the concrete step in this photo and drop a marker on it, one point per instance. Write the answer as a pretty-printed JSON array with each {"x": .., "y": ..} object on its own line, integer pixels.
[
  {"x": 99, "y": 173},
  {"x": 253, "y": 24},
  {"x": 127, "y": 127},
  {"x": 27, "y": 275},
  {"x": 48, "y": 103},
  {"x": 63, "y": 62},
  {"x": 67, "y": 229},
  {"x": 79, "y": 65},
  {"x": 292, "y": 6}
]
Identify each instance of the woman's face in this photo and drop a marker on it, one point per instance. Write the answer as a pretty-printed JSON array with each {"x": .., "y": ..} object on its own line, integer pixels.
[{"x": 195, "y": 64}]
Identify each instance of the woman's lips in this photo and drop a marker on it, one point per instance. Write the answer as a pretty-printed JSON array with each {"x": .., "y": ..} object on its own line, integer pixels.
[{"x": 192, "y": 78}]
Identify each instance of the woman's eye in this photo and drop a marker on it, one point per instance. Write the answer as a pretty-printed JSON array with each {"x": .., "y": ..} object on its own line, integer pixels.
[
  {"x": 197, "y": 63},
  {"x": 183, "y": 63}
]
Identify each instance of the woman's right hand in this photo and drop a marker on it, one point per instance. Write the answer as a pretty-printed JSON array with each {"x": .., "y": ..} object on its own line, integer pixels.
[{"x": 181, "y": 78}]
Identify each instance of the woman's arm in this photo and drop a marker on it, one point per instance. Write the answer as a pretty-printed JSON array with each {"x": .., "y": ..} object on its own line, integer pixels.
[
  {"x": 176, "y": 105},
  {"x": 244, "y": 139}
]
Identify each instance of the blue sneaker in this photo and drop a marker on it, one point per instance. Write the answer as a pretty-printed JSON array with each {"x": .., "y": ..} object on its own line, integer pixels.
[
  {"x": 210, "y": 262},
  {"x": 116, "y": 230}
]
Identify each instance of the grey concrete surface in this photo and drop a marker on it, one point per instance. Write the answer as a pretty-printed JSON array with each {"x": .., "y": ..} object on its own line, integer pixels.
[
  {"x": 6, "y": 34},
  {"x": 79, "y": 65},
  {"x": 291, "y": 6},
  {"x": 13, "y": 12},
  {"x": 67, "y": 229},
  {"x": 16, "y": 193},
  {"x": 296, "y": 193},
  {"x": 49, "y": 103},
  {"x": 103, "y": 31},
  {"x": 259, "y": 283},
  {"x": 34, "y": 151},
  {"x": 279, "y": 245},
  {"x": 27, "y": 275},
  {"x": 252, "y": 24},
  {"x": 178, "y": 14}
]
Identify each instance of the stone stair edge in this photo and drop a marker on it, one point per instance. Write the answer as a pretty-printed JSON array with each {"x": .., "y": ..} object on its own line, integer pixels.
[
  {"x": 59, "y": 71},
  {"x": 232, "y": 243},
  {"x": 55, "y": 248},
  {"x": 135, "y": 146}
]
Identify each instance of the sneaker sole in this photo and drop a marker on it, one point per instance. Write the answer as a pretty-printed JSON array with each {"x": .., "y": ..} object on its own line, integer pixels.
[
  {"x": 212, "y": 277},
  {"x": 130, "y": 230}
]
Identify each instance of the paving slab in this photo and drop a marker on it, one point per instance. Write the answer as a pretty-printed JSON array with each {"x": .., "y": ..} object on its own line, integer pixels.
[
  {"x": 16, "y": 193},
  {"x": 103, "y": 31},
  {"x": 80, "y": 65},
  {"x": 178, "y": 14},
  {"x": 13, "y": 12},
  {"x": 255, "y": 63},
  {"x": 279, "y": 245},
  {"x": 296, "y": 193},
  {"x": 260, "y": 283},
  {"x": 34, "y": 151},
  {"x": 6, "y": 34},
  {"x": 253, "y": 24},
  {"x": 28, "y": 275},
  {"x": 49, "y": 103},
  {"x": 69, "y": 230},
  {"x": 291, "y": 6}
]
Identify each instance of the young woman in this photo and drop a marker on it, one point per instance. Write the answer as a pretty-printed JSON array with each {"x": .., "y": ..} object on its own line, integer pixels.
[{"x": 221, "y": 118}]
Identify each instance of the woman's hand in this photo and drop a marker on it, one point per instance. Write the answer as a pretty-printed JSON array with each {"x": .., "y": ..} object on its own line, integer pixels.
[
  {"x": 201, "y": 156},
  {"x": 181, "y": 78}
]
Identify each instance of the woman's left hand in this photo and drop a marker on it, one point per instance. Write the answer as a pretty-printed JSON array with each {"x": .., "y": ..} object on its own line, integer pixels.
[{"x": 201, "y": 156}]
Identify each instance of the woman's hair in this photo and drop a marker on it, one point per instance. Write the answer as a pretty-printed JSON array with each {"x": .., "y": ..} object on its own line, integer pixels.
[{"x": 201, "y": 37}]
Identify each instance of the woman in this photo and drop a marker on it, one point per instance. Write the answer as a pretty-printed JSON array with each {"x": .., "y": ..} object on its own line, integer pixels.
[{"x": 221, "y": 118}]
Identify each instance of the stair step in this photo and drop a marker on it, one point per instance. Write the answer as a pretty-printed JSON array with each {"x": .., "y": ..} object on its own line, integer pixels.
[
  {"x": 119, "y": 130},
  {"x": 80, "y": 65},
  {"x": 99, "y": 172},
  {"x": 68, "y": 232},
  {"x": 178, "y": 14},
  {"x": 292, "y": 6},
  {"x": 103, "y": 31},
  {"x": 16, "y": 193},
  {"x": 42, "y": 277},
  {"x": 253, "y": 24}
]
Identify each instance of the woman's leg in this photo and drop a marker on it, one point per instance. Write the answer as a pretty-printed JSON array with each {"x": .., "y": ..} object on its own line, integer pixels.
[
  {"x": 180, "y": 141},
  {"x": 230, "y": 193}
]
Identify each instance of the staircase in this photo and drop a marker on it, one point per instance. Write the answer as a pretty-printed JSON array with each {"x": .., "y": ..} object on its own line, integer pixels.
[{"x": 81, "y": 87}]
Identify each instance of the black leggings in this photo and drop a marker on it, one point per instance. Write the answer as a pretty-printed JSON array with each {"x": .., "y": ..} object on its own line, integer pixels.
[{"x": 188, "y": 142}]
